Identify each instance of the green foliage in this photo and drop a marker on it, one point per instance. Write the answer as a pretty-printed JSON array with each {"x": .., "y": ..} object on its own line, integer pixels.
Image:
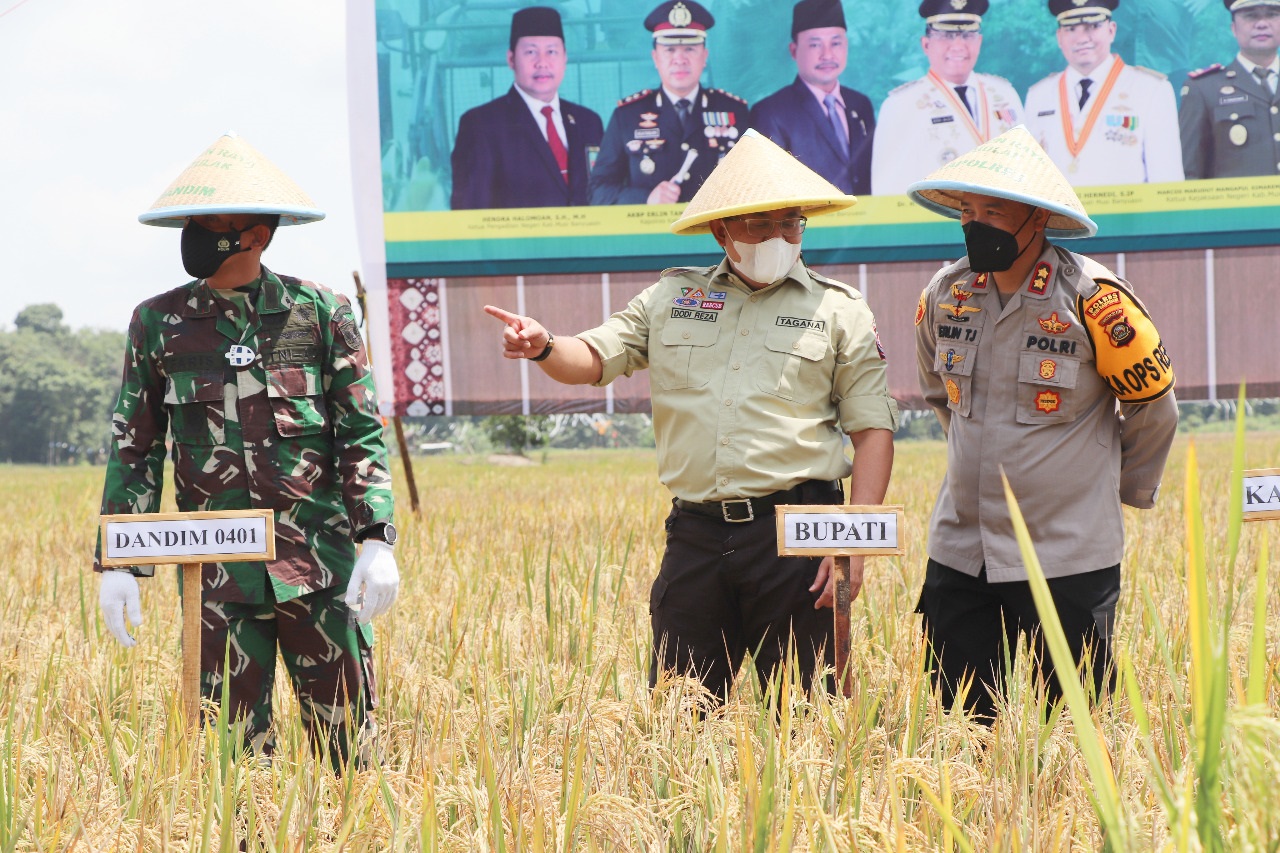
[
  {"x": 517, "y": 433},
  {"x": 58, "y": 389}
]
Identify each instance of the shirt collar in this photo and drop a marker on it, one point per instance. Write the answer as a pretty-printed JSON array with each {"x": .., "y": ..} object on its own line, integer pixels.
[
  {"x": 1097, "y": 75},
  {"x": 535, "y": 106},
  {"x": 1249, "y": 65},
  {"x": 799, "y": 273},
  {"x": 692, "y": 97},
  {"x": 821, "y": 95}
]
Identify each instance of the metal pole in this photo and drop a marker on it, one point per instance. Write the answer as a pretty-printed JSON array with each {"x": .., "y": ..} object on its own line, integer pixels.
[
  {"x": 410, "y": 480},
  {"x": 191, "y": 627}
]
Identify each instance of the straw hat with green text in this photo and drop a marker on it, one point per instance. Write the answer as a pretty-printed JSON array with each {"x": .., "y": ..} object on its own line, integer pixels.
[
  {"x": 1012, "y": 166},
  {"x": 231, "y": 176},
  {"x": 756, "y": 175}
]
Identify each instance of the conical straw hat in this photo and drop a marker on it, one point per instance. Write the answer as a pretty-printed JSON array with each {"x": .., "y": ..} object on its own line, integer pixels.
[
  {"x": 1011, "y": 166},
  {"x": 231, "y": 176},
  {"x": 756, "y": 175}
]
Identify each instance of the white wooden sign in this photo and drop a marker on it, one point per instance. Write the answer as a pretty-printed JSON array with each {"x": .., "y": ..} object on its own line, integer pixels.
[
  {"x": 1262, "y": 494},
  {"x": 839, "y": 530},
  {"x": 222, "y": 536}
]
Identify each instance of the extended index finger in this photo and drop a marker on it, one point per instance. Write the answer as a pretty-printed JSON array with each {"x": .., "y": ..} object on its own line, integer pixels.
[{"x": 513, "y": 320}]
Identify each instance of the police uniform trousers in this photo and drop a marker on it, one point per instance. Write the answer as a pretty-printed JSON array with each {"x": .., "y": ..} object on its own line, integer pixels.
[
  {"x": 971, "y": 624},
  {"x": 329, "y": 662},
  {"x": 723, "y": 592}
]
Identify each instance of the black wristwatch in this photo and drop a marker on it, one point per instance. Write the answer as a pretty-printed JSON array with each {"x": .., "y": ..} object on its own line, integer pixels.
[
  {"x": 383, "y": 531},
  {"x": 546, "y": 351}
]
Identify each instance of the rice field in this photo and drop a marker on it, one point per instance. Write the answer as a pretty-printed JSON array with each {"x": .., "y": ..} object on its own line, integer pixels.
[{"x": 515, "y": 713}]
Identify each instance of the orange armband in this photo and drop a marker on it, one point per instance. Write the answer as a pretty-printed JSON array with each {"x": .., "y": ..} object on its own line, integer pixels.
[{"x": 1130, "y": 356}]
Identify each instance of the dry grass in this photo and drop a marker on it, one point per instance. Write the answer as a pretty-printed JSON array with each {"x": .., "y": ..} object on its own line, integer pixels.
[{"x": 516, "y": 715}]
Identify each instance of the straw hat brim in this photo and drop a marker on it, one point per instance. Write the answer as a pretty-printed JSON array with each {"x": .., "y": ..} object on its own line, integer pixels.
[
  {"x": 945, "y": 197},
  {"x": 701, "y": 223},
  {"x": 176, "y": 216}
]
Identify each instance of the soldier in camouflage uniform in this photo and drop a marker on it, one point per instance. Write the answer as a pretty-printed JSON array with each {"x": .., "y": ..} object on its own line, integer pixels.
[{"x": 262, "y": 383}]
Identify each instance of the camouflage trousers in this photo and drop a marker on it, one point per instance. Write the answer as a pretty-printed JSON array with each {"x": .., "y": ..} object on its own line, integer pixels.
[{"x": 329, "y": 662}]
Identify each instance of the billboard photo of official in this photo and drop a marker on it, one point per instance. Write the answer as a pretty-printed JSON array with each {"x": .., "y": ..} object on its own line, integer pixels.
[
  {"x": 949, "y": 111},
  {"x": 1230, "y": 116},
  {"x": 1101, "y": 120},
  {"x": 528, "y": 148},
  {"x": 824, "y": 124},
  {"x": 662, "y": 143}
]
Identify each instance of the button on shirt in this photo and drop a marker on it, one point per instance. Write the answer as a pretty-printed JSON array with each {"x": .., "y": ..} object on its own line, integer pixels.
[
  {"x": 1017, "y": 389},
  {"x": 751, "y": 390}
]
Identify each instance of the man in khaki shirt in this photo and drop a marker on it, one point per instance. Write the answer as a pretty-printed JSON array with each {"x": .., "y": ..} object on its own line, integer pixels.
[
  {"x": 758, "y": 368},
  {"x": 1042, "y": 365}
]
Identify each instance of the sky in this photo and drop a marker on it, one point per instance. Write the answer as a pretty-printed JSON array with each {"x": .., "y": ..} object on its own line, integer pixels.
[{"x": 104, "y": 102}]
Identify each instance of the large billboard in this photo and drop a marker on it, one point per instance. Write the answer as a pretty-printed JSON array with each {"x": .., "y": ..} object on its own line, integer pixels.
[{"x": 462, "y": 151}]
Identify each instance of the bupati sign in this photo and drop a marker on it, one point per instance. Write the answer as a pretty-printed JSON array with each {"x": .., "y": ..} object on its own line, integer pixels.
[{"x": 844, "y": 531}]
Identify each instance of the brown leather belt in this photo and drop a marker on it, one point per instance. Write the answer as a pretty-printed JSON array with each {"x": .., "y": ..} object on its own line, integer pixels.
[{"x": 739, "y": 510}]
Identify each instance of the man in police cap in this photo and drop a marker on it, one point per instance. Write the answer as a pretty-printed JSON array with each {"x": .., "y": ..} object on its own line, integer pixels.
[
  {"x": 1043, "y": 367},
  {"x": 530, "y": 147},
  {"x": 828, "y": 127},
  {"x": 1230, "y": 117},
  {"x": 759, "y": 367},
  {"x": 662, "y": 143},
  {"x": 1102, "y": 121},
  {"x": 261, "y": 383},
  {"x": 935, "y": 119}
]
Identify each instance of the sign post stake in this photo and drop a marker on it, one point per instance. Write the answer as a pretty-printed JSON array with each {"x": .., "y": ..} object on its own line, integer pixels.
[
  {"x": 189, "y": 539},
  {"x": 191, "y": 628},
  {"x": 841, "y": 532}
]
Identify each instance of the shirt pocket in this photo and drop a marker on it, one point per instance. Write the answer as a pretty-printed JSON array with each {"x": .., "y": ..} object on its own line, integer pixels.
[
  {"x": 297, "y": 400},
  {"x": 1047, "y": 391},
  {"x": 197, "y": 408},
  {"x": 795, "y": 365},
  {"x": 1232, "y": 113},
  {"x": 673, "y": 366},
  {"x": 954, "y": 364}
]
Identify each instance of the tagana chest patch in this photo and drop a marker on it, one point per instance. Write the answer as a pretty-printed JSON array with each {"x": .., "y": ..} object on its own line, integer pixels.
[{"x": 801, "y": 323}]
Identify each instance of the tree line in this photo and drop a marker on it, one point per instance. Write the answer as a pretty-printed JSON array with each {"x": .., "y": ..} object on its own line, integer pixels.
[{"x": 57, "y": 389}]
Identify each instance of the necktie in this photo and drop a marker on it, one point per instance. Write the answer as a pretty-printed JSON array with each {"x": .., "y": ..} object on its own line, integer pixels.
[
  {"x": 833, "y": 114},
  {"x": 962, "y": 91},
  {"x": 557, "y": 145},
  {"x": 682, "y": 110},
  {"x": 1263, "y": 75},
  {"x": 1084, "y": 92}
]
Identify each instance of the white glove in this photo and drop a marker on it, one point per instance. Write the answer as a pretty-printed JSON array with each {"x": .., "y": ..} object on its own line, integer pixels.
[
  {"x": 376, "y": 571},
  {"x": 117, "y": 595}
]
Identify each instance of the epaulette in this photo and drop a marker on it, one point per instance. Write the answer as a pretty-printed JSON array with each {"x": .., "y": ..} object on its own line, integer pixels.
[
  {"x": 833, "y": 283},
  {"x": 995, "y": 77},
  {"x": 1150, "y": 71},
  {"x": 742, "y": 101},
  {"x": 906, "y": 85},
  {"x": 630, "y": 99},
  {"x": 681, "y": 270},
  {"x": 1202, "y": 72}
]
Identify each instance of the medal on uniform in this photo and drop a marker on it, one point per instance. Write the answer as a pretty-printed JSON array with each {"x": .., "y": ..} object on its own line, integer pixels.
[
  {"x": 240, "y": 356},
  {"x": 1075, "y": 144},
  {"x": 647, "y": 166},
  {"x": 1238, "y": 134},
  {"x": 1074, "y": 167}
]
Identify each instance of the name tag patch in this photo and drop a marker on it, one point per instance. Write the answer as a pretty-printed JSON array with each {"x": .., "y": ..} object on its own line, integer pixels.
[
  {"x": 688, "y": 314},
  {"x": 801, "y": 323}
]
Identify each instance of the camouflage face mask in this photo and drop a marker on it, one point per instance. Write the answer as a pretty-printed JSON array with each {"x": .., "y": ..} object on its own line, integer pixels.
[{"x": 203, "y": 251}]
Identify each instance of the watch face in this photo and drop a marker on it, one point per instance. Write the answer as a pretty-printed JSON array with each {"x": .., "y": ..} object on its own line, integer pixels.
[{"x": 389, "y": 534}]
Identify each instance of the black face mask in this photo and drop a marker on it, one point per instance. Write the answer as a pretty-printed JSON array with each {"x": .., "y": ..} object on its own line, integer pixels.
[
  {"x": 989, "y": 248},
  {"x": 203, "y": 251}
]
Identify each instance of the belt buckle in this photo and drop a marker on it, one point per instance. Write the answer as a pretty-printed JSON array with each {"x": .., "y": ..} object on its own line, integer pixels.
[{"x": 724, "y": 510}]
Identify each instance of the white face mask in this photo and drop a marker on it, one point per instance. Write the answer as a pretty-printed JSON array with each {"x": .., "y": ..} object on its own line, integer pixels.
[{"x": 766, "y": 262}]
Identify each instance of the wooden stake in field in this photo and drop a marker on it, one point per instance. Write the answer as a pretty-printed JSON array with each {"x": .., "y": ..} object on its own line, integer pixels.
[
  {"x": 189, "y": 539},
  {"x": 841, "y": 532}
]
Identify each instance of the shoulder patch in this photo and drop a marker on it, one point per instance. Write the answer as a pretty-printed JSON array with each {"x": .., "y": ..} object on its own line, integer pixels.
[
  {"x": 630, "y": 99},
  {"x": 1129, "y": 354},
  {"x": 1150, "y": 71},
  {"x": 346, "y": 323},
  {"x": 834, "y": 284},
  {"x": 907, "y": 85},
  {"x": 729, "y": 95},
  {"x": 1204, "y": 72},
  {"x": 996, "y": 78}
]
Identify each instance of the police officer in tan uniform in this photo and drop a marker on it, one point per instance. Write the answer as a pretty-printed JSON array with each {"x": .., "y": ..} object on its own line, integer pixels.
[
  {"x": 934, "y": 119},
  {"x": 759, "y": 367},
  {"x": 1230, "y": 117},
  {"x": 1102, "y": 121},
  {"x": 1042, "y": 366}
]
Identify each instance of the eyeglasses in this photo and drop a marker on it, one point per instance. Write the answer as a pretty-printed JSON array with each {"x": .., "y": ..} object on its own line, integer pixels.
[
  {"x": 955, "y": 35},
  {"x": 759, "y": 229}
]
